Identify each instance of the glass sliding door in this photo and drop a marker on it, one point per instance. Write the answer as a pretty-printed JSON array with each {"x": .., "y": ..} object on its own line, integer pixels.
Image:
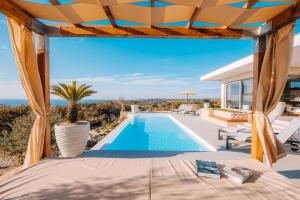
[
  {"x": 239, "y": 94},
  {"x": 247, "y": 94},
  {"x": 233, "y": 94}
]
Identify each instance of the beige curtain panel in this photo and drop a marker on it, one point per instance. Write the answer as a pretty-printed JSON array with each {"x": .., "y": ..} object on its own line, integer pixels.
[
  {"x": 23, "y": 46},
  {"x": 272, "y": 80}
]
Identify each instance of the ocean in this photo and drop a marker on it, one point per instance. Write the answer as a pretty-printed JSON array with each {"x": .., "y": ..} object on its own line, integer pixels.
[{"x": 54, "y": 102}]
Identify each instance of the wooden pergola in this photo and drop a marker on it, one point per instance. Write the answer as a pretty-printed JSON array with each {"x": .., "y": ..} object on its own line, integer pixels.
[{"x": 154, "y": 22}]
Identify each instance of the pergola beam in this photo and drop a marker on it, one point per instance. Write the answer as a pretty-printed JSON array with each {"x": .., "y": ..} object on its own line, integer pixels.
[
  {"x": 152, "y": 4},
  {"x": 193, "y": 18},
  {"x": 287, "y": 16},
  {"x": 42, "y": 50},
  {"x": 250, "y": 3},
  {"x": 260, "y": 48},
  {"x": 11, "y": 10},
  {"x": 54, "y": 2},
  {"x": 110, "y": 16},
  {"x": 147, "y": 32},
  {"x": 284, "y": 18}
]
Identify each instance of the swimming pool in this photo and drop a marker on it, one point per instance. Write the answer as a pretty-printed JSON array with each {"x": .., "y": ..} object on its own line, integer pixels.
[{"x": 154, "y": 132}]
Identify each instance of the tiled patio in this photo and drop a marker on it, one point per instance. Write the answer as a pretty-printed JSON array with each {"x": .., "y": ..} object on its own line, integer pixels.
[{"x": 288, "y": 166}]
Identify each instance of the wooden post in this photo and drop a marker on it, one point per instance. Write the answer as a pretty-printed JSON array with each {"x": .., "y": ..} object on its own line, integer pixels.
[
  {"x": 43, "y": 63},
  {"x": 260, "y": 47}
]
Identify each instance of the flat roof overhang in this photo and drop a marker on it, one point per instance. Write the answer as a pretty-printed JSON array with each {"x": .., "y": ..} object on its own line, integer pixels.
[{"x": 245, "y": 65}]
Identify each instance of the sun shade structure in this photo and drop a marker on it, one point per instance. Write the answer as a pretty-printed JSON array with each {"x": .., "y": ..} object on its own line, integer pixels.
[
  {"x": 167, "y": 18},
  {"x": 188, "y": 93},
  {"x": 269, "y": 22}
]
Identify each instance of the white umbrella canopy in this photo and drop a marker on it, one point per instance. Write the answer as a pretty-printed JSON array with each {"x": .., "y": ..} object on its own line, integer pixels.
[{"x": 188, "y": 93}]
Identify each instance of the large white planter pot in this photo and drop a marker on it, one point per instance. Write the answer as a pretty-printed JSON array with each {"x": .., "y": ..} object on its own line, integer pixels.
[
  {"x": 206, "y": 105},
  {"x": 71, "y": 139}
]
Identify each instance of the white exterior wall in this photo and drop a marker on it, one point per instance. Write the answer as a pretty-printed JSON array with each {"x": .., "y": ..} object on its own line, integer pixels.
[{"x": 223, "y": 95}]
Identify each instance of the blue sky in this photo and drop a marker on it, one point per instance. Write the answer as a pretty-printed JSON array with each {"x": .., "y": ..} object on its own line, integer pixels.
[{"x": 134, "y": 68}]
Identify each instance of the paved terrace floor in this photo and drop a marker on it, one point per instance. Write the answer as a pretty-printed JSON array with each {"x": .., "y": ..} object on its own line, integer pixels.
[{"x": 207, "y": 130}]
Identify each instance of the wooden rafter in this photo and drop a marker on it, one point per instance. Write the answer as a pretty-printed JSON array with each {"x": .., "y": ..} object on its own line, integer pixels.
[
  {"x": 147, "y": 32},
  {"x": 250, "y": 3},
  {"x": 152, "y": 4},
  {"x": 193, "y": 18},
  {"x": 287, "y": 16},
  {"x": 110, "y": 16},
  {"x": 54, "y": 2},
  {"x": 11, "y": 10}
]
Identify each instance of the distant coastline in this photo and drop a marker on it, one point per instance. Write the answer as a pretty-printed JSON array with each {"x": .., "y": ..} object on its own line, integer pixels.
[
  {"x": 61, "y": 102},
  {"x": 54, "y": 102}
]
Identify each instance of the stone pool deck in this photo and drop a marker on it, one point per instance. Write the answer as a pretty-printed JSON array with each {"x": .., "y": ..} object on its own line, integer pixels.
[
  {"x": 288, "y": 166},
  {"x": 208, "y": 130}
]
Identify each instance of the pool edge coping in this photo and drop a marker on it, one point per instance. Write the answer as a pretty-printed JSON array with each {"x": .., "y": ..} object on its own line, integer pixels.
[{"x": 113, "y": 133}]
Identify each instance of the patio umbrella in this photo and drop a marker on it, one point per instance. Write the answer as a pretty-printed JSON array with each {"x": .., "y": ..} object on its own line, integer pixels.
[{"x": 188, "y": 93}]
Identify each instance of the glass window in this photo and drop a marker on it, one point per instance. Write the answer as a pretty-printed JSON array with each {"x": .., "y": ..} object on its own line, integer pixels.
[
  {"x": 233, "y": 95},
  {"x": 239, "y": 94},
  {"x": 247, "y": 93},
  {"x": 291, "y": 92},
  {"x": 294, "y": 85}
]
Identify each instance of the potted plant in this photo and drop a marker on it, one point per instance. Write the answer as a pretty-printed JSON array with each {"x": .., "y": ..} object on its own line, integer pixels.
[
  {"x": 206, "y": 103},
  {"x": 72, "y": 135}
]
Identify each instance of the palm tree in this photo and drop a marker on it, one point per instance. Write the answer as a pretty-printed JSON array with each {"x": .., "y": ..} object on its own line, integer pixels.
[{"x": 73, "y": 95}]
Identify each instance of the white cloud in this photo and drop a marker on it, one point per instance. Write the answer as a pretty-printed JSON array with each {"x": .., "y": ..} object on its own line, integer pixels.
[
  {"x": 132, "y": 86},
  {"x": 97, "y": 79},
  {"x": 4, "y": 47},
  {"x": 11, "y": 89},
  {"x": 139, "y": 79}
]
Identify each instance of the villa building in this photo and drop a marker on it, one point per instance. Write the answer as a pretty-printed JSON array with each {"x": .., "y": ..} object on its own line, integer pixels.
[{"x": 236, "y": 81}]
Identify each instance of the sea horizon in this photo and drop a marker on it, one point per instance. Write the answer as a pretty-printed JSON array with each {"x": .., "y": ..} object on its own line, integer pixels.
[
  {"x": 54, "y": 102},
  {"x": 62, "y": 102}
]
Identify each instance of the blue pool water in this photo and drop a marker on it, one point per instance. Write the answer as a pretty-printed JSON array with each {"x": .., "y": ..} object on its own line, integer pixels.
[{"x": 154, "y": 133}]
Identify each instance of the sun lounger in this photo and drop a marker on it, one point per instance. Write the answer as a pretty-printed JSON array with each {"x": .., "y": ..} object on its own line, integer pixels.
[
  {"x": 289, "y": 127},
  {"x": 186, "y": 109},
  {"x": 236, "y": 132}
]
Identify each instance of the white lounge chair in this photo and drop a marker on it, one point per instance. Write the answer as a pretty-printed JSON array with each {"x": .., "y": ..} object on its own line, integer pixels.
[
  {"x": 240, "y": 129},
  {"x": 186, "y": 109},
  {"x": 284, "y": 127},
  {"x": 135, "y": 109}
]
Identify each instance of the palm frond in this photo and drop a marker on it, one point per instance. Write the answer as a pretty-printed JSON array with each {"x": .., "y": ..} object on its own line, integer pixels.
[
  {"x": 71, "y": 93},
  {"x": 56, "y": 90},
  {"x": 65, "y": 88},
  {"x": 86, "y": 93},
  {"x": 82, "y": 89}
]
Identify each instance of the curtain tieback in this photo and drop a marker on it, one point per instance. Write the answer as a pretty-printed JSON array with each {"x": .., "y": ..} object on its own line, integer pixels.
[{"x": 45, "y": 115}]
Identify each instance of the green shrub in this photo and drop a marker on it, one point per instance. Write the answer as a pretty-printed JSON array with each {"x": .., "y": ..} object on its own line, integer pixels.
[
  {"x": 15, "y": 142},
  {"x": 9, "y": 114}
]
